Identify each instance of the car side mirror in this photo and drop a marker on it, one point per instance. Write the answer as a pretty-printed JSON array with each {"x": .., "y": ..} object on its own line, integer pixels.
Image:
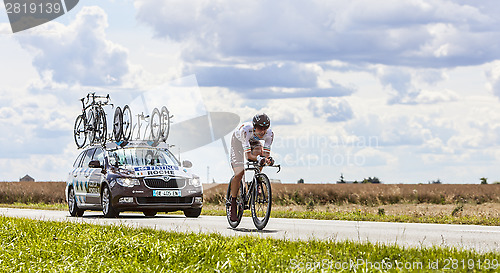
[
  {"x": 95, "y": 164},
  {"x": 187, "y": 164}
]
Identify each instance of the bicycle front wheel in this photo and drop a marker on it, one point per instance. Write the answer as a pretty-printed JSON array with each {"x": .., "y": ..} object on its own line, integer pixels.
[
  {"x": 79, "y": 132},
  {"x": 261, "y": 200}
]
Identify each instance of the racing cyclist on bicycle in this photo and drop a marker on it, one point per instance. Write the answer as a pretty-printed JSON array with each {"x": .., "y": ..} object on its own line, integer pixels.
[{"x": 245, "y": 142}]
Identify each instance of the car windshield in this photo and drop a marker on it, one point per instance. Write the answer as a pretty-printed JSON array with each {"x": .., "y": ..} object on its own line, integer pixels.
[{"x": 142, "y": 157}]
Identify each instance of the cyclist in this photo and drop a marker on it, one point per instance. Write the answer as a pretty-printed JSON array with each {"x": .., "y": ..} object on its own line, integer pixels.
[{"x": 246, "y": 143}]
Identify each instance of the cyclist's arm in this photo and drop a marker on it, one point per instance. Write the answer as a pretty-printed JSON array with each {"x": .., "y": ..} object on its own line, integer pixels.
[
  {"x": 250, "y": 156},
  {"x": 247, "y": 148},
  {"x": 268, "y": 140}
]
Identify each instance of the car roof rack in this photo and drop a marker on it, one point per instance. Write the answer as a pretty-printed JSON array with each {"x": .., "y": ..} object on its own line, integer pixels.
[{"x": 136, "y": 144}]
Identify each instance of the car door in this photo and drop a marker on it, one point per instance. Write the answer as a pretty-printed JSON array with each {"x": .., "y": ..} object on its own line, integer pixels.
[
  {"x": 95, "y": 177},
  {"x": 73, "y": 175},
  {"x": 84, "y": 172}
]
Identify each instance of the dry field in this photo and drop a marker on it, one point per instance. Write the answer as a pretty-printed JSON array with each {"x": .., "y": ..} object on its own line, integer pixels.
[
  {"x": 372, "y": 194},
  {"x": 458, "y": 204},
  {"x": 32, "y": 192},
  {"x": 365, "y": 195}
]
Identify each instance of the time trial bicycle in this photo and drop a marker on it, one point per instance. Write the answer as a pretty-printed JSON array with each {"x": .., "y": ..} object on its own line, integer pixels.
[
  {"x": 91, "y": 124},
  {"x": 255, "y": 195}
]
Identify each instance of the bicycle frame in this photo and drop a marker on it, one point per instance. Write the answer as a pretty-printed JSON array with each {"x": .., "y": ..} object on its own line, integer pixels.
[
  {"x": 255, "y": 195},
  {"x": 163, "y": 124},
  {"x": 94, "y": 103},
  {"x": 140, "y": 117},
  {"x": 251, "y": 186}
]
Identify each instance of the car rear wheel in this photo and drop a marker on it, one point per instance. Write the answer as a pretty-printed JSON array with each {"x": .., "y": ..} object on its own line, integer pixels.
[
  {"x": 150, "y": 213},
  {"x": 107, "y": 207},
  {"x": 73, "y": 206},
  {"x": 192, "y": 213}
]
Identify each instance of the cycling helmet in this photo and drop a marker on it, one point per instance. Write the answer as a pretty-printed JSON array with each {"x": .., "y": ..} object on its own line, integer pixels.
[{"x": 261, "y": 121}]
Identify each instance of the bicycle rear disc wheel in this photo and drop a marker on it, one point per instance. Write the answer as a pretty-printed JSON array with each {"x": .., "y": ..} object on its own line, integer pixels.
[
  {"x": 79, "y": 131},
  {"x": 165, "y": 123},
  {"x": 91, "y": 126},
  {"x": 102, "y": 128},
  {"x": 127, "y": 123},
  {"x": 155, "y": 125},
  {"x": 118, "y": 124},
  {"x": 261, "y": 200},
  {"x": 239, "y": 205}
]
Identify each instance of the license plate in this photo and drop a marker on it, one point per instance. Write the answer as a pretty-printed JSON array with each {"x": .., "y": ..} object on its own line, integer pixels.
[{"x": 167, "y": 193}]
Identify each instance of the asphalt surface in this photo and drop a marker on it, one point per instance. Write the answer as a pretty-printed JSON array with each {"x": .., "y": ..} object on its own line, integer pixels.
[{"x": 479, "y": 238}]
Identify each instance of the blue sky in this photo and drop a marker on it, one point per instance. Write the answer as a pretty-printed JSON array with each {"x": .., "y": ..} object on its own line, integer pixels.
[{"x": 407, "y": 91}]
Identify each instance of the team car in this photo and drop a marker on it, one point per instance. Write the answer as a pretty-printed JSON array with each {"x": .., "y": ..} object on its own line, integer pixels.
[{"x": 132, "y": 177}]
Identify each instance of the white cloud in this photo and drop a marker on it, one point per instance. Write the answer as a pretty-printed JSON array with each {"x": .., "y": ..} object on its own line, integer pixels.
[
  {"x": 404, "y": 85},
  {"x": 370, "y": 156},
  {"x": 391, "y": 130},
  {"x": 431, "y": 97},
  {"x": 424, "y": 33},
  {"x": 288, "y": 113},
  {"x": 34, "y": 125},
  {"x": 494, "y": 78},
  {"x": 273, "y": 75},
  {"x": 77, "y": 53},
  {"x": 331, "y": 109},
  {"x": 5, "y": 28},
  {"x": 431, "y": 76},
  {"x": 398, "y": 80}
]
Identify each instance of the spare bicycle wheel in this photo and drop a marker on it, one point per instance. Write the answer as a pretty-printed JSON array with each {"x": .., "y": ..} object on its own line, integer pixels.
[
  {"x": 155, "y": 125},
  {"x": 102, "y": 128},
  {"x": 127, "y": 123},
  {"x": 79, "y": 132},
  {"x": 118, "y": 124},
  {"x": 165, "y": 123}
]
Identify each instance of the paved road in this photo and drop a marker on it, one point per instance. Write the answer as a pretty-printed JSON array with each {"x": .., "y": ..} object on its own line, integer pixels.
[{"x": 480, "y": 238}]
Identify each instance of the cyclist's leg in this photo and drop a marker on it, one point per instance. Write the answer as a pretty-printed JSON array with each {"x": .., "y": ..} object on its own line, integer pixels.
[
  {"x": 237, "y": 163},
  {"x": 238, "y": 169},
  {"x": 235, "y": 186},
  {"x": 237, "y": 178}
]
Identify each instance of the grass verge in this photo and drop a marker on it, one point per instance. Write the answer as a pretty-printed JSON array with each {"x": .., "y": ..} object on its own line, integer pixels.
[
  {"x": 358, "y": 213},
  {"x": 39, "y": 246},
  {"x": 55, "y": 206},
  {"x": 348, "y": 213}
]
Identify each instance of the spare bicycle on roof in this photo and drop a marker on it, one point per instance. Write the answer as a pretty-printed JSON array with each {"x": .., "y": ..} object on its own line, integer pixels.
[{"x": 91, "y": 125}]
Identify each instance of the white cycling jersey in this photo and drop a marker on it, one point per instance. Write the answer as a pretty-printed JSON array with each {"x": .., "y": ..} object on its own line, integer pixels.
[{"x": 244, "y": 133}]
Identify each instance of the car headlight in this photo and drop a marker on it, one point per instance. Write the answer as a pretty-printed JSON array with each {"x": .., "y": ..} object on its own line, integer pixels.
[
  {"x": 196, "y": 182},
  {"x": 128, "y": 182}
]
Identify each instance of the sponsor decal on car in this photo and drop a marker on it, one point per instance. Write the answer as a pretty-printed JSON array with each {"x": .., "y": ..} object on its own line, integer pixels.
[{"x": 155, "y": 170}]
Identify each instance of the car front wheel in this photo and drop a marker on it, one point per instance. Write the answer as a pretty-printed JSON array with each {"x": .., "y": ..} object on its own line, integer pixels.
[
  {"x": 149, "y": 213},
  {"x": 192, "y": 213},
  {"x": 107, "y": 207},
  {"x": 73, "y": 206}
]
